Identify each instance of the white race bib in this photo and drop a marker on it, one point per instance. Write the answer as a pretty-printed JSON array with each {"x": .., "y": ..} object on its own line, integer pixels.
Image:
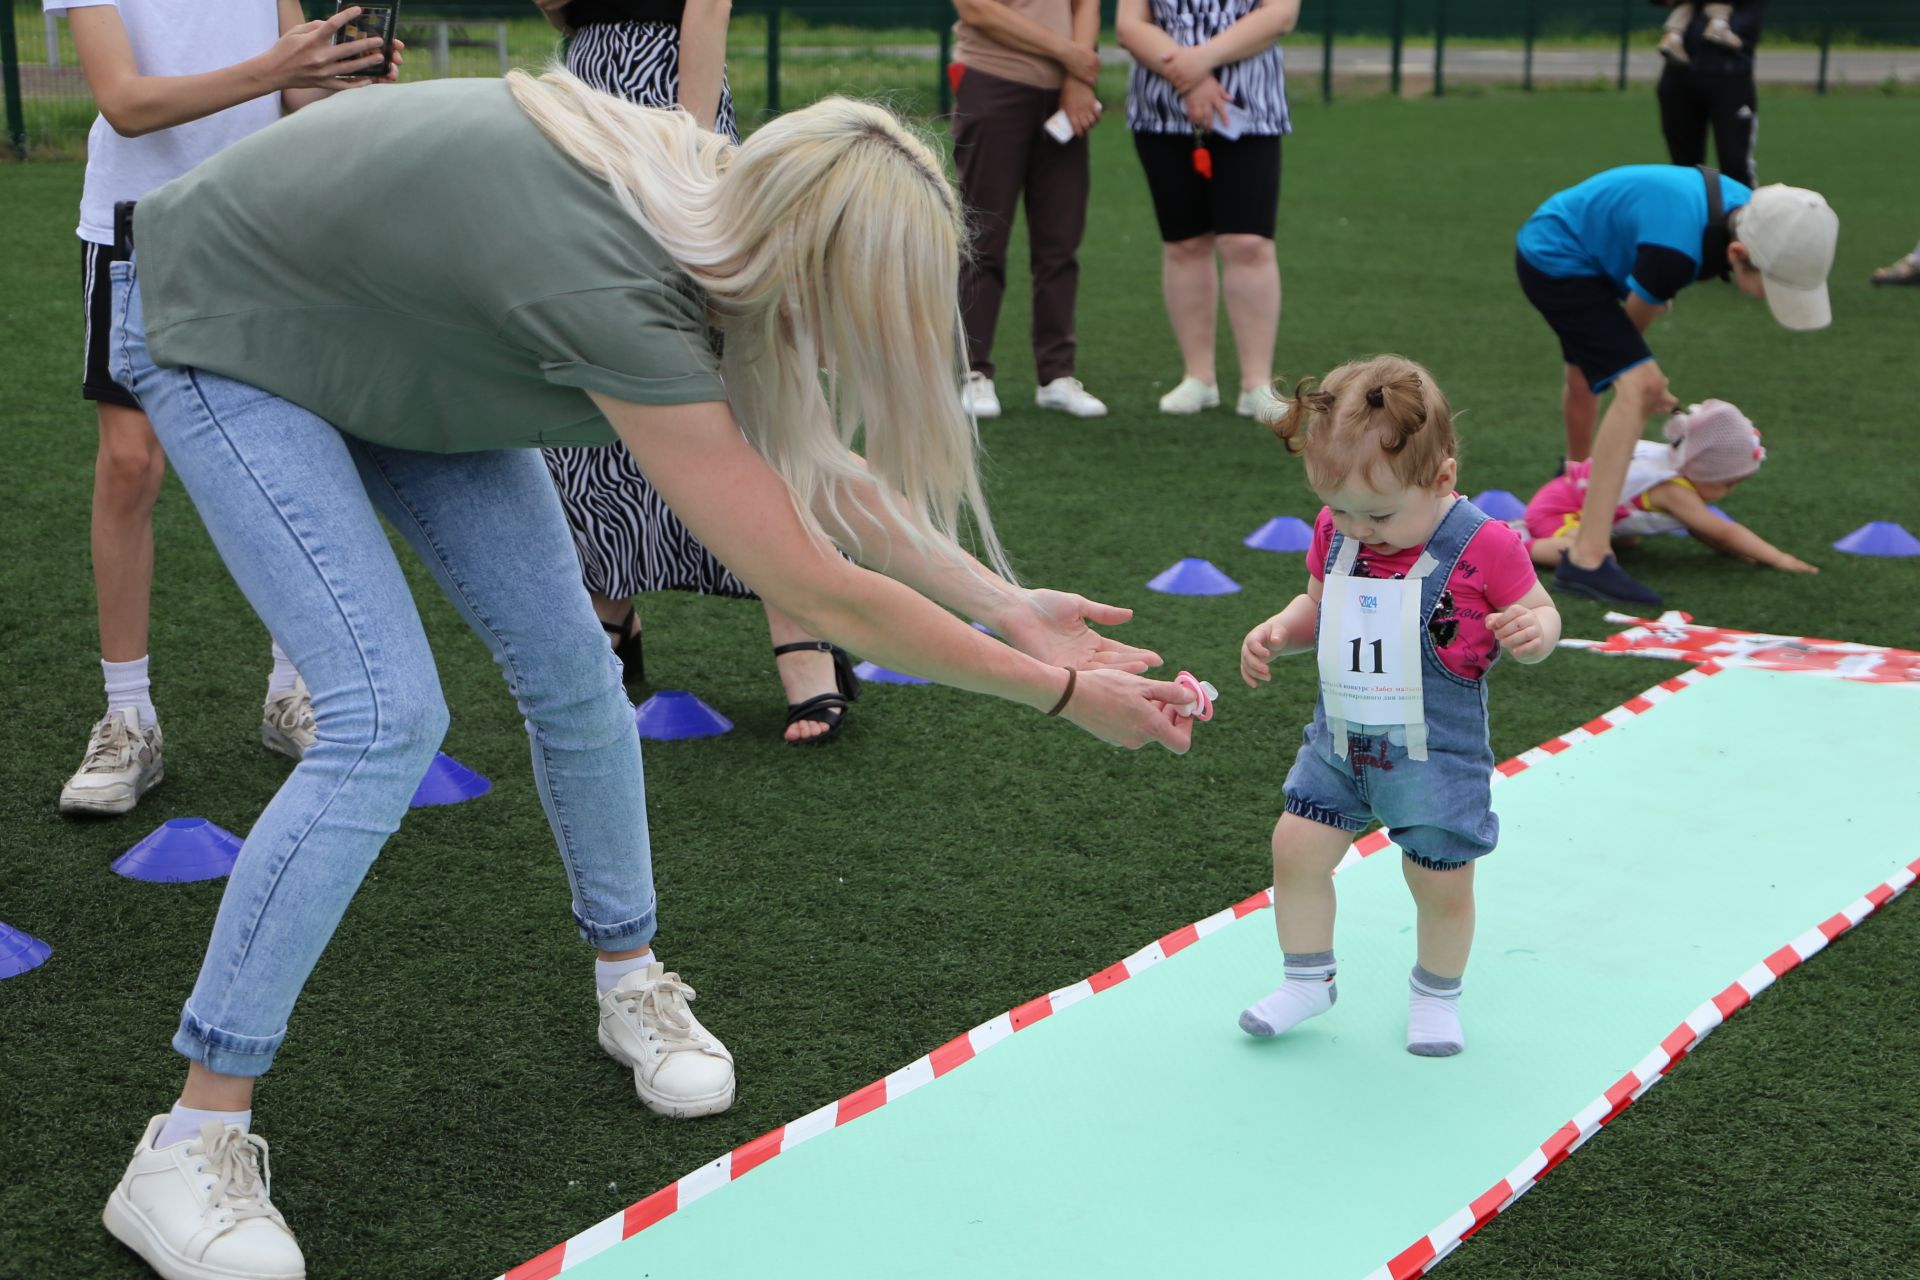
[{"x": 1369, "y": 652}]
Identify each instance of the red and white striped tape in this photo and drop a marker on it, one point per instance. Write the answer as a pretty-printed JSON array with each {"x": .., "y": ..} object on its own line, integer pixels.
[{"x": 712, "y": 1176}]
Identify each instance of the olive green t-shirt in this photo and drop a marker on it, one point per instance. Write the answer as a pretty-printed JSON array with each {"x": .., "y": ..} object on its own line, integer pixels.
[{"x": 423, "y": 268}]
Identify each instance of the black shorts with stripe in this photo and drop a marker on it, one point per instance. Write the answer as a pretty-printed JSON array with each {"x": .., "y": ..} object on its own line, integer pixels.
[{"x": 96, "y": 288}]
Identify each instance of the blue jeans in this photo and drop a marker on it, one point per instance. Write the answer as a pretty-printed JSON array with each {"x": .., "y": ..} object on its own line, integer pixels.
[{"x": 294, "y": 508}]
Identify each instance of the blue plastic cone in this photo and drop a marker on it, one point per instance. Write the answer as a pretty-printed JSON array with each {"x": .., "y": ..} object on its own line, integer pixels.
[
  {"x": 1881, "y": 538},
  {"x": 1282, "y": 533},
  {"x": 673, "y": 714},
  {"x": 1193, "y": 577},
  {"x": 1500, "y": 505},
  {"x": 182, "y": 849},
  {"x": 20, "y": 952},
  {"x": 881, "y": 675},
  {"x": 448, "y": 782}
]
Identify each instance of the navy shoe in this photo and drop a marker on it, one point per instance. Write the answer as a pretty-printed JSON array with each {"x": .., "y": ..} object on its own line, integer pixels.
[{"x": 1608, "y": 583}]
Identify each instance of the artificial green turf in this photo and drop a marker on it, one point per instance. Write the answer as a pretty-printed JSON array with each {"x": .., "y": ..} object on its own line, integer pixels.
[{"x": 441, "y": 1107}]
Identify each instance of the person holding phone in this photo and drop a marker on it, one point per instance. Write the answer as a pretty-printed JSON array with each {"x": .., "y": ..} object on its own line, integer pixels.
[
  {"x": 723, "y": 313},
  {"x": 1024, "y": 74},
  {"x": 175, "y": 82},
  {"x": 1207, "y": 105}
]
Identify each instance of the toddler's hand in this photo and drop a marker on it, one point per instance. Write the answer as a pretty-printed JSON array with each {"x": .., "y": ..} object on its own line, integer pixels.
[
  {"x": 1260, "y": 647},
  {"x": 1518, "y": 630}
]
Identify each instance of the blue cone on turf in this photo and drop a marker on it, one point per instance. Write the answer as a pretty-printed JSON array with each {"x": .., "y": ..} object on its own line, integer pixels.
[
  {"x": 1500, "y": 505},
  {"x": 1282, "y": 533},
  {"x": 448, "y": 782},
  {"x": 1881, "y": 538},
  {"x": 674, "y": 714},
  {"x": 1193, "y": 577},
  {"x": 20, "y": 952},
  {"x": 878, "y": 674},
  {"x": 181, "y": 850}
]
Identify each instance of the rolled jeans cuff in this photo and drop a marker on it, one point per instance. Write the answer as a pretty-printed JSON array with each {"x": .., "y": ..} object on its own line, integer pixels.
[
  {"x": 624, "y": 936},
  {"x": 1303, "y": 808},
  {"x": 226, "y": 1052}
]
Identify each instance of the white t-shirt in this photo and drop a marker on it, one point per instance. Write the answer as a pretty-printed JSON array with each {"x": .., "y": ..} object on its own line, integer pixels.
[
  {"x": 173, "y": 38},
  {"x": 1652, "y": 465}
]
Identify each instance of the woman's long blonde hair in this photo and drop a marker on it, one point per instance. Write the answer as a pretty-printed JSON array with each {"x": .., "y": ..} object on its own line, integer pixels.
[{"x": 828, "y": 246}]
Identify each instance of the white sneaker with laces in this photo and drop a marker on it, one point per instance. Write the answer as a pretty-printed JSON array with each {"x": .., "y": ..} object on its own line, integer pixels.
[
  {"x": 1262, "y": 403},
  {"x": 123, "y": 762},
  {"x": 1068, "y": 396},
  {"x": 679, "y": 1069},
  {"x": 1190, "y": 397},
  {"x": 977, "y": 396},
  {"x": 201, "y": 1209},
  {"x": 286, "y": 722}
]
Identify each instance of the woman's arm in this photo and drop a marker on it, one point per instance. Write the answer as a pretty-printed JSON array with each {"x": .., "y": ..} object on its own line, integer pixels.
[
  {"x": 735, "y": 504},
  {"x": 551, "y": 10},
  {"x": 1187, "y": 68},
  {"x": 703, "y": 58},
  {"x": 1134, "y": 28},
  {"x": 136, "y": 104},
  {"x": 1728, "y": 537}
]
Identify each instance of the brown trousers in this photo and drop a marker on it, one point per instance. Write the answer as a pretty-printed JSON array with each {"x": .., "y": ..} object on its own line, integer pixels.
[{"x": 1000, "y": 150}]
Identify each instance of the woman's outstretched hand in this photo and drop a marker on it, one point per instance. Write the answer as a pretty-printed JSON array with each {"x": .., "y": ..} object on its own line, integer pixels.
[
  {"x": 1130, "y": 711},
  {"x": 1052, "y": 626}
]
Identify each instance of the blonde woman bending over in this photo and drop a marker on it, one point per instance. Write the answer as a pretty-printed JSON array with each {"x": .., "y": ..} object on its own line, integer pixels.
[{"x": 555, "y": 266}]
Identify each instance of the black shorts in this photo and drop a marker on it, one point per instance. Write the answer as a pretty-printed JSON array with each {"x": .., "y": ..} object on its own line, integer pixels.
[
  {"x": 1241, "y": 198},
  {"x": 1596, "y": 334},
  {"x": 96, "y": 287}
]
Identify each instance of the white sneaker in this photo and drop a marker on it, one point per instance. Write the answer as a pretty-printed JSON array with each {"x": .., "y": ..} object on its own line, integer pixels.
[
  {"x": 1261, "y": 402},
  {"x": 1674, "y": 49},
  {"x": 1721, "y": 32},
  {"x": 286, "y": 722},
  {"x": 123, "y": 763},
  {"x": 1067, "y": 395},
  {"x": 1191, "y": 396},
  {"x": 679, "y": 1069},
  {"x": 977, "y": 396},
  {"x": 200, "y": 1210}
]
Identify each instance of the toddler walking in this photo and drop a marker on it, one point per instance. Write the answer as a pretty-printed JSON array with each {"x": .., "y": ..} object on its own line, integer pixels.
[{"x": 1412, "y": 592}]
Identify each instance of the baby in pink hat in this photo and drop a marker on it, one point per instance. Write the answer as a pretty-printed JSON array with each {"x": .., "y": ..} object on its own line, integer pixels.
[{"x": 1711, "y": 448}]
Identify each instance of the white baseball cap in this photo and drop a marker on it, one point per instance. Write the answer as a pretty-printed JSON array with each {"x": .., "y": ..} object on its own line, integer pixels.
[{"x": 1790, "y": 234}]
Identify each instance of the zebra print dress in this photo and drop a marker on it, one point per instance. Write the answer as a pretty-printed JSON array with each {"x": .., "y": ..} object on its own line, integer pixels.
[{"x": 627, "y": 539}]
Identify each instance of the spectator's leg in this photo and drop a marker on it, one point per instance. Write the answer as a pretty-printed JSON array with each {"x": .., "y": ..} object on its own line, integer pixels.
[
  {"x": 1193, "y": 302},
  {"x": 1683, "y": 117},
  {"x": 1058, "y": 184},
  {"x": 1639, "y": 394},
  {"x": 991, "y": 140},
  {"x": 1735, "y": 107},
  {"x": 127, "y": 474},
  {"x": 1250, "y": 279}
]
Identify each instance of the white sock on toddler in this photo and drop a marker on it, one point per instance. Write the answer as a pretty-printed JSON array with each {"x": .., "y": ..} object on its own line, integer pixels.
[
  {"x": 1308, "y": 990},
  {"x": 1433, "y": 1015}
]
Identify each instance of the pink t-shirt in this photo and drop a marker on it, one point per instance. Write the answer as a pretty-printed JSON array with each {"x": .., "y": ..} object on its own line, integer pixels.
[{"x": 1493, "y": 572}]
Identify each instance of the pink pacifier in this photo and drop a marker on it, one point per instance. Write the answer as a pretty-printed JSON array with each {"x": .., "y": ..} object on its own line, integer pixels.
[{"x": 1203, "y": 694}]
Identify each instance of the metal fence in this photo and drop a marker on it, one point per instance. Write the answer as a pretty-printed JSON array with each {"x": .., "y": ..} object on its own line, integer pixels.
[{"x": 782, "y": 53}]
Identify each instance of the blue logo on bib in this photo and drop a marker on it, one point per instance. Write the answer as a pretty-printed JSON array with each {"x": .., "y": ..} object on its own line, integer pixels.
[{"x": 1369, "y": 602}]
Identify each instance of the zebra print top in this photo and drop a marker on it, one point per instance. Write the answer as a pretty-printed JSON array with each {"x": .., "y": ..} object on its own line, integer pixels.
[
  {"x": 1257, "y": 85},
  {"x": 640, "y": 61}
]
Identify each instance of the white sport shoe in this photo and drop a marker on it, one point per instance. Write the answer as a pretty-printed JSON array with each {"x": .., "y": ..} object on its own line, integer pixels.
[
  {"x": 977, "y": 396},
  {"x": 286, "y": 722},
  {"x": 1191, "y": 396},
  {"x": 1262, "y": 403},
  {"x": 679, "y": 1069},
  {"x": 123, "y": 763},
  {"x": 200, "y": 1210},
  {"x": 1068, "y": 396}
]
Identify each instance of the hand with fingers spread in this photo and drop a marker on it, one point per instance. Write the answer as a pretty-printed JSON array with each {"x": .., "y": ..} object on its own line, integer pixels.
[
  {"x": 1130, "y": 711},
  {"x": 307, "y": 58},
  {"x": 1052, "y": 626}
]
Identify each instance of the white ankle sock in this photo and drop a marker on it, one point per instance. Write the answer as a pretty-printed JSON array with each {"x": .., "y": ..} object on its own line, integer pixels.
[
  {"x": 284, "y": 673},
  {"x": 183, "y": 1123},
  {"x": 607, "y": 973},
  {"x": 128, "y": 686},
  {"x": 1308, "y": 991},
  {"x": 1433, "y": 1015}
]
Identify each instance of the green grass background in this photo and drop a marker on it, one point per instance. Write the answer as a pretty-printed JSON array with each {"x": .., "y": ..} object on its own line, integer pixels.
[{"x": 441, "y": 1108}]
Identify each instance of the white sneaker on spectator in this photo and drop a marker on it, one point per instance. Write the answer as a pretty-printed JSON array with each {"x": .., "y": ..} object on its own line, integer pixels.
[
  {"x": 1191, "y": 396},
  {"x": 1261, "y": 402},
  {"x": 286, "y": 722},
  {"x": 200, "y": 1210},
  {"x": 977, "y": 396},
  {"x": 123, "y": 762},
  {"x": 679, "y": 1069},
  {"x": 1068, "y": 396}
]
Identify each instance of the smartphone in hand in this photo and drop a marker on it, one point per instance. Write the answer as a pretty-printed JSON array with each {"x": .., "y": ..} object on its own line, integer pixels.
[{"x": 375, "y": 20}]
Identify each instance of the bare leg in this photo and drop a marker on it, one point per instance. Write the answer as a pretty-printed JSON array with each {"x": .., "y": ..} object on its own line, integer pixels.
[
  {"x": 1444, "y": 900},
  {"x": 127, "y": 474},
  {"x": 803, "y": 675},
  {"x": 1304, "y": 856},
  {"x": 1546, "y": 552},
  {"x": 1638, "y": 394},
  {"x": 1193, "y": 300},
  {"x": 1250, "y": 281},
  {"x": 609, "y": 611}
]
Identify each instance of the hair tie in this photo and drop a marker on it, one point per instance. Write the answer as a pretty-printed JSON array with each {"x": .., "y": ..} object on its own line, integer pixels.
[{"x": 1376, "y": 397}]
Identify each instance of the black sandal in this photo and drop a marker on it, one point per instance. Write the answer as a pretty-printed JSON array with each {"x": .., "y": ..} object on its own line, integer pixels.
[
  {"x": 628, "y": 647},
  {"x": 829, "y": 709}
]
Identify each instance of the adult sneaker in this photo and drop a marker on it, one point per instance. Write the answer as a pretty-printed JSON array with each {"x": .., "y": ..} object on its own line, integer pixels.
[
  {"x": 286, "y": 722},
  {"x": 201, "y": 1210},
  {"x": 1068, "y": 396},
  {"x": 1261, "y": 402},
  {"x": 123, "y": 762},
  {"x": 1190, "y": 397},
  {"x": 679, "y": 1069},
  {"x": 977, "y": 396},
  {"x": 1609, "y": 582}
]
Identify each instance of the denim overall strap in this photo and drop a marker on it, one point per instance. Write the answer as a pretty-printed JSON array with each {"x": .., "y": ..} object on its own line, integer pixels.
[{"x": 1448, "y": 543}]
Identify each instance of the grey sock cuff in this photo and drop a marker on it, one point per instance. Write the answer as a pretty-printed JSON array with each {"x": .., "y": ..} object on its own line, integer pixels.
[
  {"x": 1432, "y": 984},
  {"x": 1308, "y": 964}
]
